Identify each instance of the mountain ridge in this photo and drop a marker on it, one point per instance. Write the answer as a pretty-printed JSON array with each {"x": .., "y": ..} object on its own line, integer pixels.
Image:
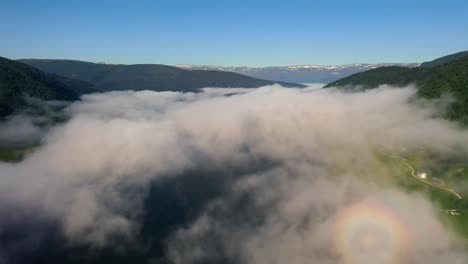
[
  {"x": 444, "y": 59},
  {"x": 156, "y": 77},
  {"x": 18, "y": 80},
  {"x": 305, "y": 73},
  {"x": 446, "y": 77}
]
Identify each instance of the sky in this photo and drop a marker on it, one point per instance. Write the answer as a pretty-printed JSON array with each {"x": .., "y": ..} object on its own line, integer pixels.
[{"x": 234, "y": 33}]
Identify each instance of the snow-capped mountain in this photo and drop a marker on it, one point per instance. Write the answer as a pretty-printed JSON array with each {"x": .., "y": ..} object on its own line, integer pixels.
[{"x": 299, "y": 73}]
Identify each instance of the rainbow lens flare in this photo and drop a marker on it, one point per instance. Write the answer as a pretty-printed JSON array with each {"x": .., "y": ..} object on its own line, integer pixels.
[{"x": 371, "y": 231}]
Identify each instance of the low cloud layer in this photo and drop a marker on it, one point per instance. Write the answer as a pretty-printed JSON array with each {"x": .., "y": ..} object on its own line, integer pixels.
[
  {"x": 19, "y": 130},
  {"x": 297, "y": 168}
]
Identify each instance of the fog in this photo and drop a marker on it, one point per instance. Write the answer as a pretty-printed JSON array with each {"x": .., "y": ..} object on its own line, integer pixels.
[
  {"x": 280, "y": 175},
  {"x": 19, "y": 130}
]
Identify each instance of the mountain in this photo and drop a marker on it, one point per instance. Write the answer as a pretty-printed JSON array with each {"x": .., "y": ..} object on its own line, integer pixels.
[
  {"x": 112, "y": 77},
  {"x": 299, "y": 73},
  {"x": 450, "y": 77},
  {"x": 18, "y": 80},
  {"x": 445, "y": 59}
]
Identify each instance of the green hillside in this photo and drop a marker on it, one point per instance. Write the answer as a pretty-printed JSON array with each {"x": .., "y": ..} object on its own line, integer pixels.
[
  {"x": 18, "y": 80},
  {"x": 450, "y": 77},
  {"x": 114, "y": 77}
]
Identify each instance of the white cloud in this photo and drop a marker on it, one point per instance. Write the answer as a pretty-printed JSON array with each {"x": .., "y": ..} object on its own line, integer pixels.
[{"x": 321, "y": 142}]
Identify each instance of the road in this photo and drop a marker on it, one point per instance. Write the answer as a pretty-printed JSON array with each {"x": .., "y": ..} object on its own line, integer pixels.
[{"x": 405, "y": 162}]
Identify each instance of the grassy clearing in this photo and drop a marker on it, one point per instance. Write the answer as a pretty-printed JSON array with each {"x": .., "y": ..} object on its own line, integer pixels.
[
  {"x": 15, "y": 154},
  {"x": 449, "y": 172}
]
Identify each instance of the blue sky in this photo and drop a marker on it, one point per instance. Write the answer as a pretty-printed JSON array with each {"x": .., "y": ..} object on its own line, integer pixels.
[{"x": 233, "y": 33}]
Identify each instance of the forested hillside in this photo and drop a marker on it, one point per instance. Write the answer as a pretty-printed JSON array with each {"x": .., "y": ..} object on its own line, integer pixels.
[
  {"x": 18, "y": 80},
  {"x": 450, "y": 77}
]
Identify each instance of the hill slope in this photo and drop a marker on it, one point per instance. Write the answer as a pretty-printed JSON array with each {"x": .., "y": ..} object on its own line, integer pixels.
[
  {"x": 110, "y": 77},
  {"x": 445, "y": 59},
  {"x": 450, "y": 77},
  {"x": 18, "y": 80}
]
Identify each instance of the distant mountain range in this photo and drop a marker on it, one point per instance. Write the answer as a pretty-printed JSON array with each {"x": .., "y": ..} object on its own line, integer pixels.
[
  {"x": 299, "y": 73},
  {"x": 448, "y": 74},
  {"x": 155, "y": 77},
  {"x": 68, "y": 80}
]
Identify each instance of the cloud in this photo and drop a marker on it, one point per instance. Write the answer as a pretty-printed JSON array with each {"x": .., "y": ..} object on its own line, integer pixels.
[
  {"x": 19, "y": 130},
  {"x": 290, "y": 163},
  {"x": 292, "y": 216},
  {"x": 312, "y": 86}
]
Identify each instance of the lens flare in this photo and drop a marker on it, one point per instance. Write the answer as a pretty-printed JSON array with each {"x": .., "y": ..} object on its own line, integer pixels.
[{"x": 371, "y": 231}]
